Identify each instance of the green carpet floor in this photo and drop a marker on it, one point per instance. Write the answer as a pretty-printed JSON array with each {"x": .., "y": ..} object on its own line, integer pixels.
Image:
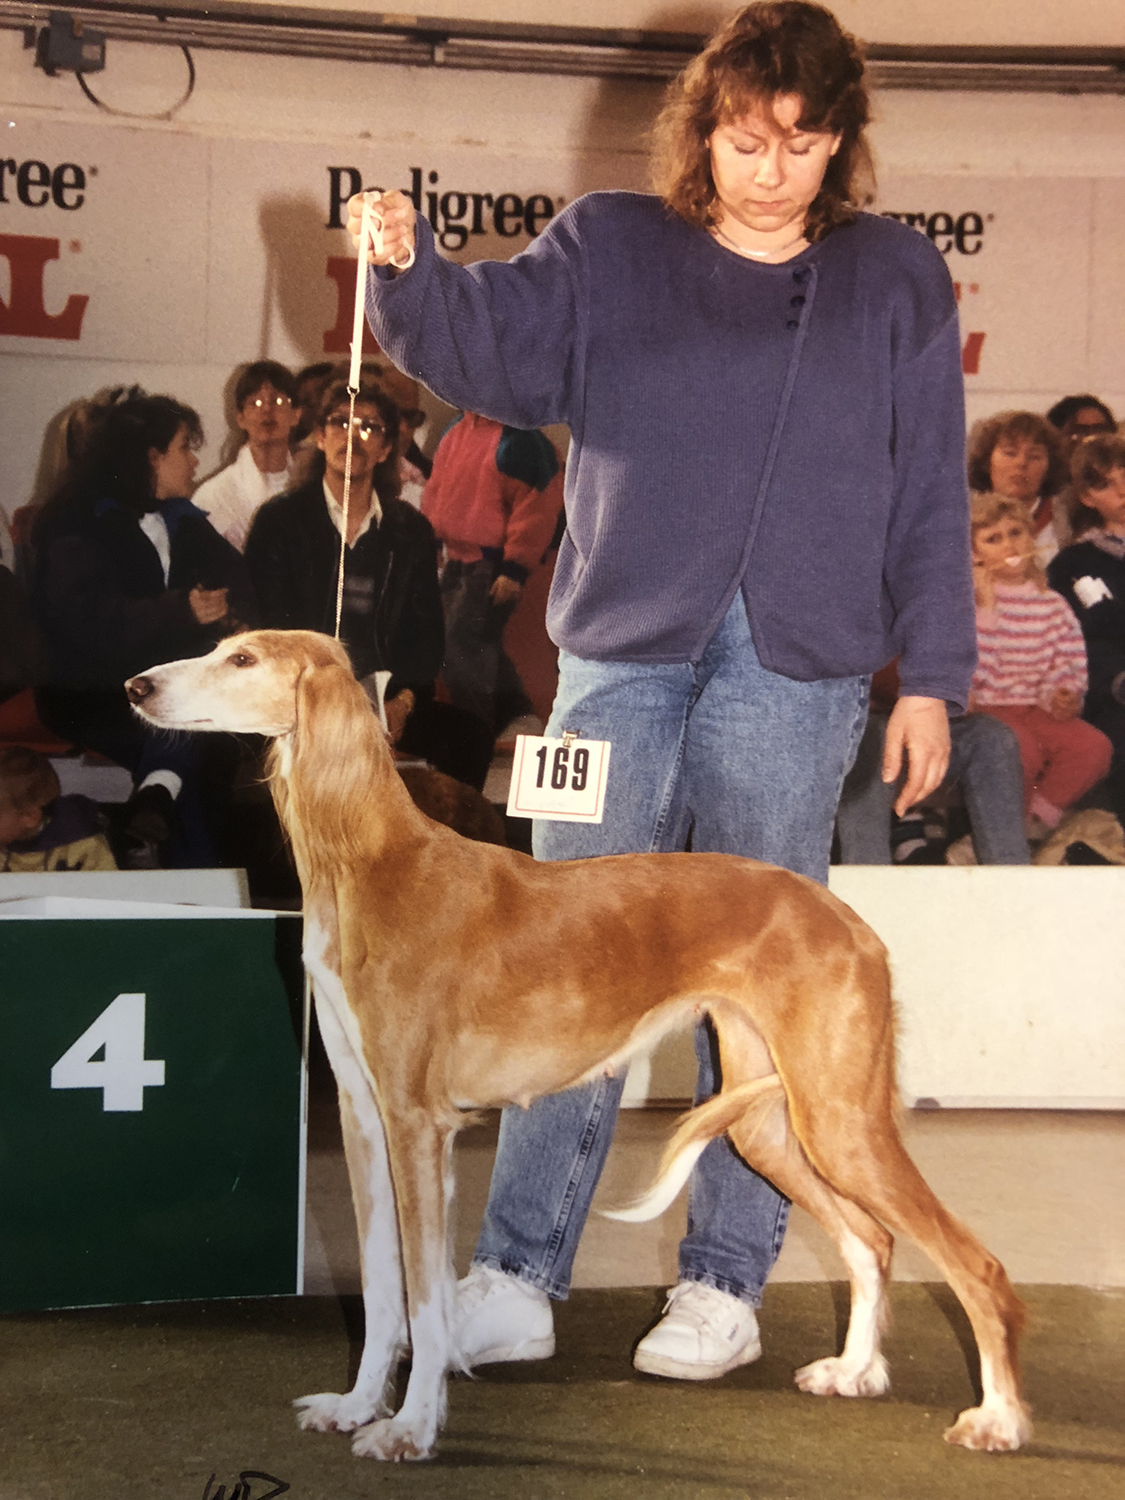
[{"x": 148, "y": 1403}]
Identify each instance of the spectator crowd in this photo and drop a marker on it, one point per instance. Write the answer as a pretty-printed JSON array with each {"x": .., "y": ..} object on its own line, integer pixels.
[{"x": 128, "y": 563}]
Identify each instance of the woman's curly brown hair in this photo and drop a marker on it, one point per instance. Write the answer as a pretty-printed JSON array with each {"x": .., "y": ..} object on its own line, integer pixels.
[
  {"x": 990, "y": 431},
  {"x": 769, "y": 49}
]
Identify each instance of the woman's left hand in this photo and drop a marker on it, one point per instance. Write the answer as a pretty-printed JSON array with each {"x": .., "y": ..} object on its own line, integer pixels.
[
  {"x": 505, "y": 590},
  {"x": 918, "y": 728},
  {"x": 1065, "y": 704},
  {"x": 207, "y": 605},
  {"x": 398, "y": 709}
]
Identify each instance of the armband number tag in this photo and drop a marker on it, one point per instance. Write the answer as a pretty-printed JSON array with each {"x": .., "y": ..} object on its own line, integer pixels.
[{"x": 562, "y": 779}]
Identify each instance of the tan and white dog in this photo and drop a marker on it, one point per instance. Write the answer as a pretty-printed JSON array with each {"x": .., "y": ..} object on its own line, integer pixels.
[{"x": 451, "y": 976}]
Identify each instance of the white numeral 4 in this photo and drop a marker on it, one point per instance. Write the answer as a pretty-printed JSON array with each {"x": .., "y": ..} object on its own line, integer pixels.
[{"x": 125, "y": 1072}]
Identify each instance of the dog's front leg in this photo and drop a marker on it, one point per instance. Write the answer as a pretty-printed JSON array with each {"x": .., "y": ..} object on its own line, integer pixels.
[
  {"x": 420, "y": 1152},
  {"x": 373, "y": 1198}
]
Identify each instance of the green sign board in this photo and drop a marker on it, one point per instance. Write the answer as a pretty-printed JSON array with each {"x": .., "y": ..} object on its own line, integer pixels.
[{"x": 151, "y": 1109}]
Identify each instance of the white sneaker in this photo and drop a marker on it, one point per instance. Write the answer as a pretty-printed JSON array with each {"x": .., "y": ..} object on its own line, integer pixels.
[
  {"x": 500, "y": 1318},
  {"x": 703, "y": 1334}
]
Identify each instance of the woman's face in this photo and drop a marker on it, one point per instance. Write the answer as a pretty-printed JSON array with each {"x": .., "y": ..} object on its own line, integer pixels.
[
  {"x": 267, "y": 415},
  {"x": 1003, "y": 549},
  {"x": 766, "y": 171},
  {"x": 1018, "y": 467},
  {"x": 1107, "y": 497},
  {"x": 173, "y": 471}
]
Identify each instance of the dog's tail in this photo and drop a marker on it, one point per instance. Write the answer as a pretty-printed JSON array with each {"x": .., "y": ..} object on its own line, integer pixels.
[{"x": 694, "y": 1133}]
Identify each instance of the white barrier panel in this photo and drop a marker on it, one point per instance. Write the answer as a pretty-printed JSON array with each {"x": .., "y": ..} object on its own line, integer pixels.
[
  {"x": 220, "y": 887},
  {"x": 1009, "y": 986}
]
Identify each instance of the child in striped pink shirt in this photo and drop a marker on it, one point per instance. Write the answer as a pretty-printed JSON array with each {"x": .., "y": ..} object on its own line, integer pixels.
[{"x": 1031, "y": 670}]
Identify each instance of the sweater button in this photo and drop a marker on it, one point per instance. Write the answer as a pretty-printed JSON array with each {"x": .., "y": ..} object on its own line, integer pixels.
[
  {"x": 801, "y": 276},
  {"x": 793, "y": 323},
  {"x": 796, "y": 302}
]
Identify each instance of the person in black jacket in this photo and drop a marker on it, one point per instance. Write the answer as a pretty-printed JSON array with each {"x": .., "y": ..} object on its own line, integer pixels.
[
  {"x": 127, "y": 574},
  {"x": 391, "y": 621},
  {"x": 1090, "y": 575}
]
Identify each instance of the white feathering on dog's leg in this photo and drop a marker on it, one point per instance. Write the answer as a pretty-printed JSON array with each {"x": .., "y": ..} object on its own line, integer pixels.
[{"x": 664, "y": 1191}]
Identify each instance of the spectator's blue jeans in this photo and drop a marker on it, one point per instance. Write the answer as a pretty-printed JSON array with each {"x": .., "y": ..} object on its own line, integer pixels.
[
  {"x": 749, "y": 763},
  {"x": 984, "y": 760}
]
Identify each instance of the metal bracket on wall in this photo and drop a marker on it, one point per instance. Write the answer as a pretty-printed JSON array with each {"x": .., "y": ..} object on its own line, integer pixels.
[{"x": 421, "y": 41}]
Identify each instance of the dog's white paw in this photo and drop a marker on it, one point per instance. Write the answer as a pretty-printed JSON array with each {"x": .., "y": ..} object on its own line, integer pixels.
[
  {"x": 394, "y": 1441},
  {"x": 840, "y": 1377},
  {"x": 999, "y": 1428},
  {"x": 331, "y": 1413}
]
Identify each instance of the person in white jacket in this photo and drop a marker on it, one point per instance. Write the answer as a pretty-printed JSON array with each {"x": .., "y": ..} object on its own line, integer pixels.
[{"x": 266, "y": 411}]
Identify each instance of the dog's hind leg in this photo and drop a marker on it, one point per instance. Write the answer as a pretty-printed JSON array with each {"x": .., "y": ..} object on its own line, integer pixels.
[
  {"x": 766, "y": 1141},
  {"x": 421, "y": 1156},
  {"x": 373, "y": 1198},
  {"x": 866, "y": 1160}
]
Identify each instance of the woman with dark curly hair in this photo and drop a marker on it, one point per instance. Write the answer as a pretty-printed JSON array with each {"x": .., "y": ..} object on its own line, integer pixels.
[
  {"x": 765, "y": 502},
  {"x": 1019, "y": 455},
  {"x": 128, "y": 573}
]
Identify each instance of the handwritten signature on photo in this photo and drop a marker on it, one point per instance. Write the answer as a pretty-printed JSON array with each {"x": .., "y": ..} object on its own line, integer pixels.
[{"x": 245, "y": 1489}]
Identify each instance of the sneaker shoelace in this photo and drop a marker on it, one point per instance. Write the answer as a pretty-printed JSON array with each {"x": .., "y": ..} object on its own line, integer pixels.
[
  {"x": 693, "y": 1304},
  {"x": 478, "y": 1284}
]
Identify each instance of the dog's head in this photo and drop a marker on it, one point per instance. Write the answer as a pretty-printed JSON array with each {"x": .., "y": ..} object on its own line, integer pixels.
[{"x": 250, "y": 684}]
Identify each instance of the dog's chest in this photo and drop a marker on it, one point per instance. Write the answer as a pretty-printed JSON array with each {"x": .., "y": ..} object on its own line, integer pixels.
[{"x": 327, "y": 984}]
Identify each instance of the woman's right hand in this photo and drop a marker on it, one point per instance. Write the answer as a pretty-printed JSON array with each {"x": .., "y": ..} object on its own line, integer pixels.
[
  {"x": 208, "y": 605},
  {"x": 396, "y": 213}
]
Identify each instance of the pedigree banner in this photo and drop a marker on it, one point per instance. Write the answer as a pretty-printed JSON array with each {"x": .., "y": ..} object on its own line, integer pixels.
[
  {"x": 130, "y": 255},
  {"x": 129, "y": 245},
  {"x": 1040, "y": 279}
]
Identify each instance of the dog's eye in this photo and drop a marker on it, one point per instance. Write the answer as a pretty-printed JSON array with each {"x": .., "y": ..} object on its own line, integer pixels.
[{"x": 242, "y": 659}]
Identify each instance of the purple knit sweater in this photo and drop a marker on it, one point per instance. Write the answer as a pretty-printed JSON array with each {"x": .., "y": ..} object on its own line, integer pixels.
[{"x": 793, "y": 430}]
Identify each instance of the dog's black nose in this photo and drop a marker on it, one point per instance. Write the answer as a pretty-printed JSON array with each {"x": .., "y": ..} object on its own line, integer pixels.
[{"x": 137, "y": 689}]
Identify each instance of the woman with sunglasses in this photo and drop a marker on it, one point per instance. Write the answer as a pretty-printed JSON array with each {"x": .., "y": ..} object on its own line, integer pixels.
[{"x": 391, "y": 619}]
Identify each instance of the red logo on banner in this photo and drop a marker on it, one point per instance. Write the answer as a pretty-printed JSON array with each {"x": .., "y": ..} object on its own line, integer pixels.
[
  {"x": 338, "y": 338},
  {"x": 971, "y": 352},
  {"x": 26, "y": 312}
]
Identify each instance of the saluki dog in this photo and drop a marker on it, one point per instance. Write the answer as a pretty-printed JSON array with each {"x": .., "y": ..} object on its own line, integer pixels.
[{"x": 451, "y": 976}]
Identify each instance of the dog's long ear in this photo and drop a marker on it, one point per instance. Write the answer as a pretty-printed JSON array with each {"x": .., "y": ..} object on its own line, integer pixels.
[{"x": 340, "y": 759}]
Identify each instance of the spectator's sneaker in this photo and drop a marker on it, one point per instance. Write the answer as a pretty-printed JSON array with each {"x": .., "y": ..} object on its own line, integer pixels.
[
  {"x": 150, "y": 814},
  {"x": 1080, "y": 853},
  {"x": 499, "y": 1318},
  {"x": 918, "y": 837},
  {"x": 149, "y": 820},
  {"x": 703, "y": 1334}
]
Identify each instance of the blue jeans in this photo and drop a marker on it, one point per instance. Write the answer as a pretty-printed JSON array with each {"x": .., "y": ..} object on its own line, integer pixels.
[
  {"x": 478, "y": 672},
  {"x": 984, "y": 760},
  {"x": 746, "y": 762}
]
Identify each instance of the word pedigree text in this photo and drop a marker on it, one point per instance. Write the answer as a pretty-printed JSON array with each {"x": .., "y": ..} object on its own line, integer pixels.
[{"x": 454, "y": 214}]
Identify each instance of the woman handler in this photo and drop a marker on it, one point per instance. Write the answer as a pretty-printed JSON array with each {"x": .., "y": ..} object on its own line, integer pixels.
[{"x": 765, "y": 502}]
